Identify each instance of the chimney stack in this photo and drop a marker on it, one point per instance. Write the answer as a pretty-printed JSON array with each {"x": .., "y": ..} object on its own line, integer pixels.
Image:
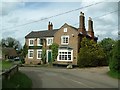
[
  {"x": 50, "y": 26},
  {"x": 82, "y": 24},
  {"x": 90, "y": 28}
]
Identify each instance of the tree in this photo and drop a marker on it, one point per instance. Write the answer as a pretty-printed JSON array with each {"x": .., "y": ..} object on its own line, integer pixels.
[
  {"x": 24, "y": 53},
  {"x": 25, "y": 50},
  {"x": 3, "y": 43},
  {"x": 91, "y": 54},
  {"x": 114, "y": 64},
  {"x": 107, "y": 45},
  {"x": 11, "y": 42},
  {"x": 54, "y": 48}
]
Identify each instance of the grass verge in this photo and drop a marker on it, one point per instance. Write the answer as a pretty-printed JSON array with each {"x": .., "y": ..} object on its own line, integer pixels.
[
  {"x": 18, "y": 81},
  {"x": 6, "y": 64},
  {"x": 114, "y": 74}
]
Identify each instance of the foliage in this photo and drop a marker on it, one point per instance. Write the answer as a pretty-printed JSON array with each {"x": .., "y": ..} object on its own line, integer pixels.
[
  {"x": 54, "y": 48},
  {"x": 24, "y": 52},
  {"x": 114, "y": 74},
  {"x": 107, "y": 45},
  {"x": 114, "y": 64},
  {"x": 44, "y": 55},
  {"x": 11, "y": 42},
  {"x": 6, "y": 64},
  {"x": 90, "y": 54},
  {"x": 18, "y": 81}
]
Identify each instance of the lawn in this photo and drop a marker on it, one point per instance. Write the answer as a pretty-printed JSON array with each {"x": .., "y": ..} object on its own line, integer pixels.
[
  {"x": 18, "y": 81},
  {"x": 6, "y": 64}
]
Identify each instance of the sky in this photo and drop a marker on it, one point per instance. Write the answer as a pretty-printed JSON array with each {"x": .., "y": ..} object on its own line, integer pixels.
[{"x": 18, "y": 18}]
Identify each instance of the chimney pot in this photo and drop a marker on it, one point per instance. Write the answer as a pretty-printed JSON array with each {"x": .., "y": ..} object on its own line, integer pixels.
[
  {"x": 90, "y": 18},
  {"x": 82, "y": 14},
  {"x": 50, "y": 26}
]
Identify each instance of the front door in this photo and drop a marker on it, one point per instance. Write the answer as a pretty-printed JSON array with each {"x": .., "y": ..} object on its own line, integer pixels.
[{"x": 49, "y": 56}]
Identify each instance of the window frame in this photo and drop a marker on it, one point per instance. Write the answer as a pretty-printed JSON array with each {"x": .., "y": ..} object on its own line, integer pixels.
[
  {"x": 48, "y": 44},
  {"x": 41, "y": 54},
  {"x": 65, "y": 30},
  {"x": 29, "y": 54},
  {"x": 30, "y": 42},
  {"x": 63, "y": 55},
  {"x": 62, "y": 41},
  {"x": 38, "y": 42}
]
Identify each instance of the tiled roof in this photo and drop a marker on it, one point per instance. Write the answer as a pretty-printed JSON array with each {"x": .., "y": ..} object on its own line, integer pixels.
[
  {"x": 74, "y": 27},
  {"x": 9, "y": 51},
  {"x": 45, "y": 33}
]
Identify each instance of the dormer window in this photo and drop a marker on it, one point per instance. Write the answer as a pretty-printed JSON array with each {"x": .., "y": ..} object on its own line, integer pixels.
[
  {"x": 65, "y": 29},
  {"x": 31, "y": 42}
]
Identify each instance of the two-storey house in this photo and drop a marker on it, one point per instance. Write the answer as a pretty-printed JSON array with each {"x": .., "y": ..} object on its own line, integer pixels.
[{"x": 67, "y": 37}]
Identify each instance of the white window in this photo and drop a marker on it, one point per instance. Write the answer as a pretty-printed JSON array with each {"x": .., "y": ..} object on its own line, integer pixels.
[
  {"x": 31, "y": 42},
  {"x": 39, "y": 54},
  {"x": 65, "y": 40},
  {"x": 30, "y": 53},
  {"x": 65, "y": 55},
  {"x": 39, "y": 42},
  {"x": 65, "y": 29},
  {"x": 49, "y": 41}
]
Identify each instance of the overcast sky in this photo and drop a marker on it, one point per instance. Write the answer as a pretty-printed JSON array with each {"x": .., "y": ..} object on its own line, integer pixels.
[{"x": 14, "y": 15}]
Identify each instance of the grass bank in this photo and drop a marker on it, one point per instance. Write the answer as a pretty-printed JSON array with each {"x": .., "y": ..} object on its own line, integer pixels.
[
  {"x": 4, "y": 64},
  {"x": 18, "y": 81},
  {"x": 114, "y": 74}
]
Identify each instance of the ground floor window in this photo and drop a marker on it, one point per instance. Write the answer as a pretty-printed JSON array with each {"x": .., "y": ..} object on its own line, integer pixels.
[
  {"x": 65, "y": 55},
  {"x": 30, "y": 53},
  {"x": 39, "y": 54}
]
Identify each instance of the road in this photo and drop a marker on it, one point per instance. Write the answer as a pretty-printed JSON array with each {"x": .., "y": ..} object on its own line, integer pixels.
[{"x": 69, "y": 78}]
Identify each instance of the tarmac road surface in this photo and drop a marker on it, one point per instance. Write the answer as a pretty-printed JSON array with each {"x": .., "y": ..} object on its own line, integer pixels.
[{"x": 43, "y": 77}]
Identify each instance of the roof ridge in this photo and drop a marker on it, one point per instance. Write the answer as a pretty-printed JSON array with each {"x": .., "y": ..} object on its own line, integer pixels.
[
  {"x": 45, "y": 33},
  {"x": 45, "y": 30}
]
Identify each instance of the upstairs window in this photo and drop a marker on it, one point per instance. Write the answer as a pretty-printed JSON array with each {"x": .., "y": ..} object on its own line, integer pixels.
[
  {"x": 31, "y": 42},
  {"x": 39, "y": 42},
  {"x": 49, "y": 41},
  {"x": 65, "y": 40}
]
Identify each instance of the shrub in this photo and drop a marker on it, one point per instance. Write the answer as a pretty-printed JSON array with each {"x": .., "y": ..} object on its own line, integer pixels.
[
  {"x": 107, "y": 45},
  {"x": 90, "y": 54},
  {"x": 54, "y": 48},
  {"x": 114, "y": 63}
]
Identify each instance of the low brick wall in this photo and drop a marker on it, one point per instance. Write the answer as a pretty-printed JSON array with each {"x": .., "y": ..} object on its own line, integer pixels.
[{"x": 8, "y": 73}]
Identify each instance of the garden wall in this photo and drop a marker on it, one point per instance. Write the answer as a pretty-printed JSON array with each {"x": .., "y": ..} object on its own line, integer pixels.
[{"x": 9, "y": 72}]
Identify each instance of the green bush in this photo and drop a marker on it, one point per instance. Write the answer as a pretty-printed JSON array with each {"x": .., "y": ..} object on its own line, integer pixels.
[
  {"x": 54, "y": 48},
  {"x": 22, "y": 60},
  {"x": 107, "y": 45},
  {"x": 90, "y": 54},
  {"x": 114, "y": 63},
  {"x": 114, "y": 74}
]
